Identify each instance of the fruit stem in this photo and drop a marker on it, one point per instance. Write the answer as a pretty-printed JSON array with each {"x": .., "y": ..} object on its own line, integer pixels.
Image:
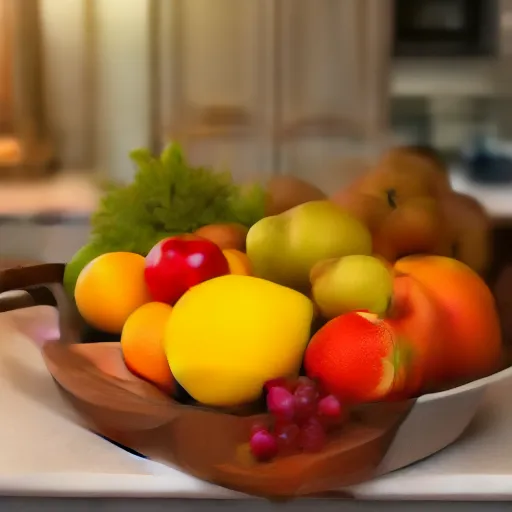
[{"x": 391, "y": 195}]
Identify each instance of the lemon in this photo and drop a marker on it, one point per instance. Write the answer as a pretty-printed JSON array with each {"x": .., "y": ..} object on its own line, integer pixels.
[{"x": 227, "y": 336}]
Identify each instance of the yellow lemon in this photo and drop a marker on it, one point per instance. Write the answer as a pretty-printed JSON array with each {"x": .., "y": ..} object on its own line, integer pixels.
[{"x": 227, "y": 336}]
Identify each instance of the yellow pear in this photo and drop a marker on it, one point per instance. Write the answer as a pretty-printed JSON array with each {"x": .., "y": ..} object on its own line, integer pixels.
[
  {"x": 352, "y": 283},
  {"x": 227, "y": 336},
  {"x": 285, "y": 247}
]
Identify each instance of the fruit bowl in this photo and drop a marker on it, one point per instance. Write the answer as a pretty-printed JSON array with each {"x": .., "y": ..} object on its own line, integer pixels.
[{"x": 376, "y": 439}]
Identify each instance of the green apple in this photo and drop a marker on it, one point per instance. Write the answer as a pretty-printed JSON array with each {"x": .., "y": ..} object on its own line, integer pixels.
[
  {"x": 284, "y": 248},
  {"x": 75, "y": 265},
  {"x": 352, "y": 283}
]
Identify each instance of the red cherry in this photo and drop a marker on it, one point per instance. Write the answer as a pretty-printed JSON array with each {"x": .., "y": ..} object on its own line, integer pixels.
[{"x": 176, "y": 264}]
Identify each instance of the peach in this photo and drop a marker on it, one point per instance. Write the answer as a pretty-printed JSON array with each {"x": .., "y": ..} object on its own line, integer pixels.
[
  {"x": 354, "y": 357},
  {"x": 239, "y": 263},
  {"x": 469, "y": 328}
]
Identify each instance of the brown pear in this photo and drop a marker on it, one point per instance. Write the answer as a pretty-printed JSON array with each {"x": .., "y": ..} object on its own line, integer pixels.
[{"x": 286, "y": 192}]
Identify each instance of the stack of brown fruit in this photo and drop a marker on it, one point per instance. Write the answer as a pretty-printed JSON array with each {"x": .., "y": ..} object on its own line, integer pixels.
[{"x": 408, "y": 204}]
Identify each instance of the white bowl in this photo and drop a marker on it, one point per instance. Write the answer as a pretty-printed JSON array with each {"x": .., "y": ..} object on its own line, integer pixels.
[{"x": 436, "y": 421}]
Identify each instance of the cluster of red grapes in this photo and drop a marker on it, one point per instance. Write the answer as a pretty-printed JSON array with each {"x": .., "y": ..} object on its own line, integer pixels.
[{"x": 302, "y": 416}]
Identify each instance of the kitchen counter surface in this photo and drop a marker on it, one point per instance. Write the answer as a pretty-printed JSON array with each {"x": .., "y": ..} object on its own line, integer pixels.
[
  {"x": 47, "y": 453},
  {"x": 71, "y": 197}
]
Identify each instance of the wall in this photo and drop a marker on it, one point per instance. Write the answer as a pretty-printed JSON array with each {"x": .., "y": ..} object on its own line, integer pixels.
[
  {"x": 96, "y": 68},
  {"x": 5, "y": 67}
]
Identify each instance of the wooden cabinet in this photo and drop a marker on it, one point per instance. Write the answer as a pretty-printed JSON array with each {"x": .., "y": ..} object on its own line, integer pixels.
[
  {"x": 282, "y": 86},
  {"x": 258, "y": 86},
  {"x": 25, "y": 147}
]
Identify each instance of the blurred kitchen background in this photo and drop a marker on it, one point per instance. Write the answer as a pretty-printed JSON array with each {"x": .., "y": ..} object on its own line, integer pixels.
[{"x": 305, "y": 87}]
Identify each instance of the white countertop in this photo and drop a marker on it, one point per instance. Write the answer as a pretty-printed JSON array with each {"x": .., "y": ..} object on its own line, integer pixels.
[
  {"x": 45, "y": 452},
  {"x": 75, "y": 193},
  {"x": 497, "y": 199}
]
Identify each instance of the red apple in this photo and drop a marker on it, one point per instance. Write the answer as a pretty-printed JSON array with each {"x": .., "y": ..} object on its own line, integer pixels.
[{"x": 176, "y": 264}]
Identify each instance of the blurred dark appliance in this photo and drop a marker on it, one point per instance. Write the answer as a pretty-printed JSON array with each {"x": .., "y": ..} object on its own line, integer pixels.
[{"x": 438, "y": 28}]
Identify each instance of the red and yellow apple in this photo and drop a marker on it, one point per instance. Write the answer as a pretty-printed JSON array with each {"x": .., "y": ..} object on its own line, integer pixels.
[
  {"x": 357, "y": 357},
  {"x": 468, "y": 327}
]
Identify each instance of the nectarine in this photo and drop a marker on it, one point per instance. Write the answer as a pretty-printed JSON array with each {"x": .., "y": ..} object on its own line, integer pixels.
[{"x": 469, "y": 327}]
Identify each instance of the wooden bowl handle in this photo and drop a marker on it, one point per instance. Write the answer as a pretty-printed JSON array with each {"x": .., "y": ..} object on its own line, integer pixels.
[{"x": 37, "y": 280}]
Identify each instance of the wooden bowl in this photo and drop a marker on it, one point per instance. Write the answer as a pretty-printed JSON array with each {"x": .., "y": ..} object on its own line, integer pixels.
[{"x": 212, "y": 445}]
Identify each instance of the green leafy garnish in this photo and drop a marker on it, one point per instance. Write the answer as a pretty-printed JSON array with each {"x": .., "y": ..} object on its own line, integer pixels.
[{"x": 169, "y": 197}]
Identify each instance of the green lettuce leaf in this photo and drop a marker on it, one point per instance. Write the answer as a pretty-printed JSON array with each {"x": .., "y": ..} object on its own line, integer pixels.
[{"x": 169, "y": 197}]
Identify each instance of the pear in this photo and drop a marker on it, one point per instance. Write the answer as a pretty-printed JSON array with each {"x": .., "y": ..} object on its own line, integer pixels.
[
  {"x": 283, "y": 248},
  {"x": 352, "y": 283},
  {"x": 228, "y": 336}
]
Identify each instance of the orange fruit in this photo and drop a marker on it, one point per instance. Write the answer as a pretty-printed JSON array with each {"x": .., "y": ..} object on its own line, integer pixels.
[
  {"x": 142, "y": 344},
  {"x": 238, "y": 261},
  {"x": 226, "y": 236},
  {"x": 110, "y": 288}
]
